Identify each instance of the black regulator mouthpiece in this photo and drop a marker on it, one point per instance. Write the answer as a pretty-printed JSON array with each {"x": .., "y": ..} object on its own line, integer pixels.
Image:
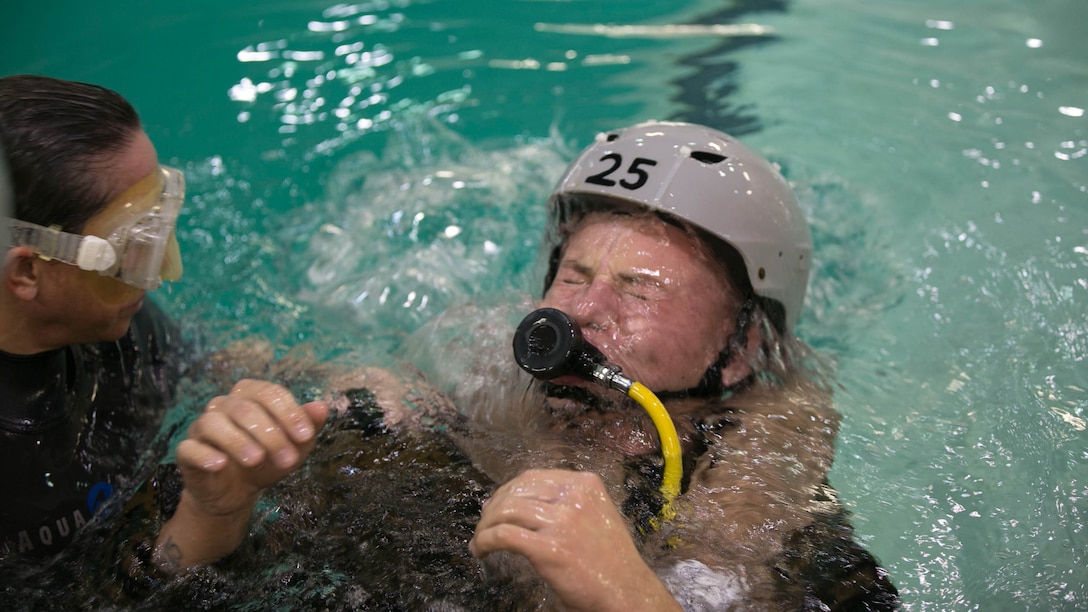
[{"x": 549, "y": 344}]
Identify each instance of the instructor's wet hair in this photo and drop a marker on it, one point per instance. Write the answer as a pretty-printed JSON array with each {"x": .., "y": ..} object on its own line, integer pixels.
[{"x": 60, "y": 137}]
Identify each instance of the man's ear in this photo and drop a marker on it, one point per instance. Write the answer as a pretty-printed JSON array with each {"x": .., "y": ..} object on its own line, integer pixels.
[
  {"x": 21, "y": 272},
  {"x": 742, "y": 358}
]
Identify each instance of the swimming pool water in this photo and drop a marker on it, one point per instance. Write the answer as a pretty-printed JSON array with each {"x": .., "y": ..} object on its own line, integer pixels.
[{"x": 354, "y": 169}]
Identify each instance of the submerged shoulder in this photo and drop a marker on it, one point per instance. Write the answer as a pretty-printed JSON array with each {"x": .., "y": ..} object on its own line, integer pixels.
[{"x": 791, "y": 408}]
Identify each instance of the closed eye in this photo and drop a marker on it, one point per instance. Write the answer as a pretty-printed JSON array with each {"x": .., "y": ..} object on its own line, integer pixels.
[
  {"x": 572, "y": 274},
  {"x": 642, "y": 286}
]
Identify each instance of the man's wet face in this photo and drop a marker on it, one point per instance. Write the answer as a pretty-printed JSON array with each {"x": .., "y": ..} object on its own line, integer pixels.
[{"x": 645, "y": 295}]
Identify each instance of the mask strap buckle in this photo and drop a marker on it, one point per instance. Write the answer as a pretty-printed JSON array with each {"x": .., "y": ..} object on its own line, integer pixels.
[{"x": 95, "y": 254}]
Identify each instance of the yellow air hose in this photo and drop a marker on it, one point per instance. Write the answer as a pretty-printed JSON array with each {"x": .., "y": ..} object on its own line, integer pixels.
[
  {"x": 548, "y": 344},
  {"x": 670, "y": 444}
]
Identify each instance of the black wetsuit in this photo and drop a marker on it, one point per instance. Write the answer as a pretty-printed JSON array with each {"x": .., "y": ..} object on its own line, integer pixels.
[{"x": 74, "y": 423}]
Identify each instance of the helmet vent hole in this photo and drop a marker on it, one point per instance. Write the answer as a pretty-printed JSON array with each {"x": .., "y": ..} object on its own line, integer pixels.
[
  {"x": 762, "y": 274},
  {"x": 612, "y": 137},
  {"x": 708, "y": 157}
]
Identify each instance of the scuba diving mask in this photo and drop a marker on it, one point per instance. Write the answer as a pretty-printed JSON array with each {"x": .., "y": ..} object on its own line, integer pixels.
[{"x": 136, "y": 244}]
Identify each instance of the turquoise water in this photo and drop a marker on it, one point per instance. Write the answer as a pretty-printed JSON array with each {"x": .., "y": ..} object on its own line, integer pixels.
[{"x": 354, "y": 169}]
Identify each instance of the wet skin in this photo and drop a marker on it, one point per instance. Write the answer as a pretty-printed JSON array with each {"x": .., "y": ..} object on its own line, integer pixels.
[
  {"x": 75, "y": 306},
  {"x": 646, "y": 297}
]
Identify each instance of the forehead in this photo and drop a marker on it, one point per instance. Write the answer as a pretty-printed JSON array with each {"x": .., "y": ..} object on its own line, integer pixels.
[
  {"x": 129, "y": 178},
  {"x": 645, "y": 235},
  {"x": 645, "y": 246},
  {"x": 131, "y": 165}
]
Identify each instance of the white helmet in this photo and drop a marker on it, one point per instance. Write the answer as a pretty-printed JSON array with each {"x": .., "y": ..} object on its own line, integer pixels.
[{"x": 711, "y": 180}]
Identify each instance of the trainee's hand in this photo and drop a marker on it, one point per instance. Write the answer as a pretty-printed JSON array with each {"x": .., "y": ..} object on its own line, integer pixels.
[
  {"x": 244, "y": 442},
  {"x": 566, "y": 525}
]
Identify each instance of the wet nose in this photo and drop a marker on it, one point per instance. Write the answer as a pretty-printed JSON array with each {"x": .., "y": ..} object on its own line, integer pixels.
[{"x": 595, "y": 307}]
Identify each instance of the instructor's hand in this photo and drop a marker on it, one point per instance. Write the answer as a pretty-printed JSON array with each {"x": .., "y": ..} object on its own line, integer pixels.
[{"x": 244, "y": 442}]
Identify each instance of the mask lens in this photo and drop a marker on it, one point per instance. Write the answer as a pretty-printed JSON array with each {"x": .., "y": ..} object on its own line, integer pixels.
[
  {"x": 145, "y": 237},
  {"x": 145, "y": 246},
  {"x": 171, "y": 261},
  {"x": 110, "y": 290}
]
